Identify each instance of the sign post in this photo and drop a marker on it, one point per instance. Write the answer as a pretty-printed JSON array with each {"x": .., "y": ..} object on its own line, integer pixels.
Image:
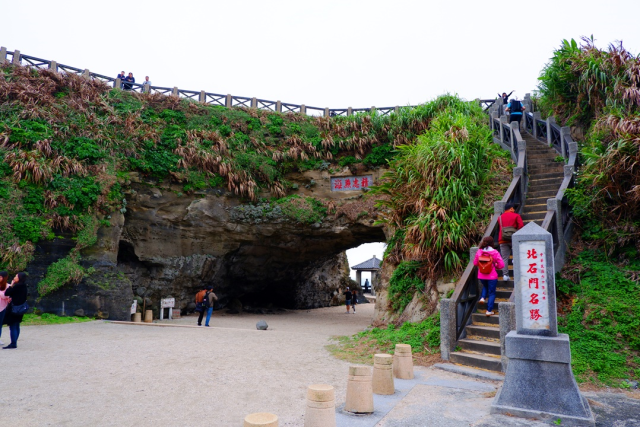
[
  {"x": 167, "y": 303},
  {"x": 539, "y": 382}
]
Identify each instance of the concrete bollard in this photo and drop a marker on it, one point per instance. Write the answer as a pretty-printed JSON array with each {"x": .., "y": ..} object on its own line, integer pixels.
[
  {"x": 403, "y": 362},
  {"x": 321, "y": 406},
  {"x": 148, "y": 316},
  {"x": 261, "y": 419},
  {"x": 359, "y": 390},
  {"x": 137, "y": 317},
  {"x": 383, "y": 374}
]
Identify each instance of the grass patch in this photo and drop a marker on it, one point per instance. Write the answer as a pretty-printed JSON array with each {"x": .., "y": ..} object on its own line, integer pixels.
[
  {"x": 51, "y": 319},
  {"x": 600, "y": 310},
  {"x": 424, "y": 338}
]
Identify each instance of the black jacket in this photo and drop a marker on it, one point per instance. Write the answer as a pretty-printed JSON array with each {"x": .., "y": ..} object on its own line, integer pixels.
[{"x": 18, "y": 294}]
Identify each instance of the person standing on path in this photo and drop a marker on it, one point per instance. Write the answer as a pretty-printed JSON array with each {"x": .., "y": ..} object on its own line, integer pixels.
[
  {"x": 4, "y": 300},
  {"x": 509, "y": 222},
  {"x": 505, "y": 97},
  {"x": 488, "y": 260},
  {"x": 17, "y": 291},
  {"x": 354, "y": 300},
  {"x": 209, "y": 301},
  {"x": 200, "y": 305},
  {"x": 516, "y": 110},
  {"x": 348, "y": 295}
]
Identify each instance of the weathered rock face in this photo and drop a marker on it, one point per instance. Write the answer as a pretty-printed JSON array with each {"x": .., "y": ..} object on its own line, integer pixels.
[{"x": 171, "y": 245}]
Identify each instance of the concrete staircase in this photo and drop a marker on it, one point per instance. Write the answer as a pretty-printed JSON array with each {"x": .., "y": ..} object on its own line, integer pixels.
[{"x": 481, "y": 346}]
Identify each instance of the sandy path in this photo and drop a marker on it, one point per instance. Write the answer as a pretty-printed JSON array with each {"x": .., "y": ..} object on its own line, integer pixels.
[{"x": 99, "y": 373}]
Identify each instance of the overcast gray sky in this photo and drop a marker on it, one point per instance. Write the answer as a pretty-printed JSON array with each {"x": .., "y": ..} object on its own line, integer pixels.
[{"x": 324, "y": 53}]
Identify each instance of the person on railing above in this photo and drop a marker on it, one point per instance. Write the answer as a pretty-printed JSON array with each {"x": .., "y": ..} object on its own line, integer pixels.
[
  {"x": 505, "y": 97},
  {"x": 488, "y": 260},
  {"x": 129, "y": 79},
  {"x": 509, "y": 222},
  {"x": 146, "y": 81},
  {"x": 515, "y": 109},
  {"x": 121, "y": 76}
]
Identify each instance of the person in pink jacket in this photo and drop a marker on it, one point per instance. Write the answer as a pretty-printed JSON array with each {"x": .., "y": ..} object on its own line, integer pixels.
[
  {"x": 4, "y": 300},
  {"x": 489, "y": 280}
]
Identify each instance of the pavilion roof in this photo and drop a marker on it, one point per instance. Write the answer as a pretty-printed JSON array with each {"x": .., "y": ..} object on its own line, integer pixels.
[{"x": 370, "y": 264}]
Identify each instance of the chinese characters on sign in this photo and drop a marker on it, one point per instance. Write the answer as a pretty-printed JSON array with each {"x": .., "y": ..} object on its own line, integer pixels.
[
  {"x": 167, "y": 303},
  {"x": 533, "y": 280},
  {"x": 134, "y": 306},
  {"x": 350, "y": 183}
]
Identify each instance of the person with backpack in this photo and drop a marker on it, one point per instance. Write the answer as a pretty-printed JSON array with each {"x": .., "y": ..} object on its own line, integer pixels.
[
  {"x": 488, "y": 260},
  {"x": 516, "y": 110},
  {"x": 200, "y": 304},
  {"x": 209, "y": 301},
  {"x": 509, "y": 222}
]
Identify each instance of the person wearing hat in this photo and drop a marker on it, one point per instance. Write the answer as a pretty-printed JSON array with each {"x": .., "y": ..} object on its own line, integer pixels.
[{"x": 509, "y": 222}]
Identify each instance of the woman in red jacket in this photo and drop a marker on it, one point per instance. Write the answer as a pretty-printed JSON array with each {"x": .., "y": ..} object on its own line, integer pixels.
[{"x": 489, "y": 280}]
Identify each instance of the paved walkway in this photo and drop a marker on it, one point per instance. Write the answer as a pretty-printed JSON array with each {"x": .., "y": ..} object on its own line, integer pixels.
[{"x": 101, "y": 373}]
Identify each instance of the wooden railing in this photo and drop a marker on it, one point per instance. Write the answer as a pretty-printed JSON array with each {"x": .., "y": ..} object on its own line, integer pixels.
[{"x": 210, "y": 98}]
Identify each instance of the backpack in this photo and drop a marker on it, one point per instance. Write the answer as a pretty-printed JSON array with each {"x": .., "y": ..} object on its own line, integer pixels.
[
  {"x": 507, "y": 232},
  {"x": 205, "y": 301},
  {"x": 516, "y": 107},
  {"x": 485, "y": 263}
]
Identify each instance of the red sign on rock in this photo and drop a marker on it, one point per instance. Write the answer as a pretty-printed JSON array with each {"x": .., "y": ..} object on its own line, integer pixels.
[{"x": 351, "y": 183}]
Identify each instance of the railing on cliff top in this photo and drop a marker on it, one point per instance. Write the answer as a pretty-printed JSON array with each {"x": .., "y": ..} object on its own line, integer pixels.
[
  {"x": 455, "y": 312},
  {"x": 202, "y": 96}
]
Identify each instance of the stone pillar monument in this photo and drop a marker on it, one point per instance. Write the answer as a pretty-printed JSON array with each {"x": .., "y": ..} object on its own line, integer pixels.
[{"x": 539, "y": 382}]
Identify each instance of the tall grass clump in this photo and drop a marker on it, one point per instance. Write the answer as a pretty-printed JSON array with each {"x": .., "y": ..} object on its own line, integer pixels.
[
  {"x": 439, "y": 191},
  {"x": 598, "y": 91}
]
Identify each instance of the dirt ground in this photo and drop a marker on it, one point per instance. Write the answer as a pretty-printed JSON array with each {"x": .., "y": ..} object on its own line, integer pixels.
[{"x": 100, "y": 373}]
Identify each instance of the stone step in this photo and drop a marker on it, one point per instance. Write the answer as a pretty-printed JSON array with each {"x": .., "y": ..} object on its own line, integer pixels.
[
  {"x": 535, "y": 207},
  {"x": 477, "y": 361},
  {"x": 542, "y": 200},
  {"x": 532, "y": 155},
  {"x": 534, "y": 216},
  {"x": 537, "y": 221},
  {"x": 479, "y": 346},
  {"x": 545, "y": 185},
  {"x": 534, "y": 161},
  {"x": 482, "y": 319},
  {"x": 544, "y": 168},
  {"x": 546, "y": 175},
  {"x": 483, "y": 331},
  {"x": 535, "y": 193}
]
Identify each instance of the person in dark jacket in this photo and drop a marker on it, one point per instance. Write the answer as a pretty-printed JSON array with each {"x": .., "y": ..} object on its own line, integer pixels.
[
  {"x": 129, "y": 79},
  {"x": 17, "y": 290},
  {"x": 505, "y": 97}
]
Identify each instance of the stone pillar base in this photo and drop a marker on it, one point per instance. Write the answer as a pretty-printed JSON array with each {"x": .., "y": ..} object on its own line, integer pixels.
[{"x": 539, "y": 382}]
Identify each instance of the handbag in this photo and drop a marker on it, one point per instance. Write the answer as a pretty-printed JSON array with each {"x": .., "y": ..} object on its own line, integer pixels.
[
  {"x": 19, "y": 309},
  {"x": 507, "y": 232}
]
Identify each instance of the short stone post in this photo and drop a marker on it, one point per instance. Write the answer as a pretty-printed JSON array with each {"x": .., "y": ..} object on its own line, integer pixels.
[
  {"x": 550, "y": 122},
  {"x": 203, "y": 97},
  {"x": 3, "y": 54},
  {"x": 145, "y": 88},
  {"x": 175, "y": 92},
  {"x": 383, "y": 374},
  {"x": 86, "y": 74},
  {"x": 254, "y": 102},
  {"x": 228, "y": 101},
  {"x": 539, "y": 382},
  {"x": 396, "y": 109},
  {"x": 279, "y": 106},
  {"x": 359, "y": 390},
  {"x": 507, "y": 314},
  {"x": 536, "y": 117},
  {"x": 373, "y": 109},
  {"x": 148, "y": 316},
  {"x": 503, "y": 119},
  {"x": 261, "y": 419},
  {"x": 327, "y": 113},
  {"x": 303, "y": 109},
  {"x": 554, "y": 204},
  {"x": 447, "y": 327},
  {"x": 137, "y": 317},
  {"x": 349, "y": 111},
  {"x": 565, "y": 131},
  {"x": 117, "y": 84},
  {"x": 321, "y": 406},
  {"x": 53, "y": 66},
  {"x": 403, "y": 362},
  {"x": 16, "y": 57},
  {"x": 512, "y": 127}
]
